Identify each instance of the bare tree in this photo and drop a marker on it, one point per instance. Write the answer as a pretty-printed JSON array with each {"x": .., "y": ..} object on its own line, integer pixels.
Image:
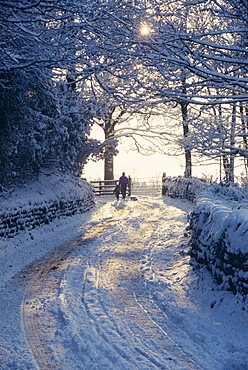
[
  {"x": 191, "y": 55},
  {"x": 118, "y": 119},
  {"x": 207, "y": 41}
]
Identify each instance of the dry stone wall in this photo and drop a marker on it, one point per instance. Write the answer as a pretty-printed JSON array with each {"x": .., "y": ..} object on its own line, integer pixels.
[
  {"x": 33, "y": 209},
  {"x": 219, "y": 241},
  {"x": 180, "y": 187},
  {"x": 219, "y": 229}
]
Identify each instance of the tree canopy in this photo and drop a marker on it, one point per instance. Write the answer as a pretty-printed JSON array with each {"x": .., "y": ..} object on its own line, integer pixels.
[{"x": 181, "y": 58}]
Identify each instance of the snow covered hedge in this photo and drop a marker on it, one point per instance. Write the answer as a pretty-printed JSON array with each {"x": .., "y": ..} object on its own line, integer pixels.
[
  {"x": 219, "y": 239},
  {"x": 180, "y": 187},
  {"x": 41, "y": 202}
]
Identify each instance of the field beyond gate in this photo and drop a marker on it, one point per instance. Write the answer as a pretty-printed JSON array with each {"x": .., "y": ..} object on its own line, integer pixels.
[{"x": 147, "y": 186}]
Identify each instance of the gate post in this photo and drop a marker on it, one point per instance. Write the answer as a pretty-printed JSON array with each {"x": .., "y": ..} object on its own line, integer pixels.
[{"x": 130, "y": 186}]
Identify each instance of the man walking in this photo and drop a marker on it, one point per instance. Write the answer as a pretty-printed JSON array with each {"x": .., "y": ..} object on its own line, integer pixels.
[{"x": 123, "y": 182}]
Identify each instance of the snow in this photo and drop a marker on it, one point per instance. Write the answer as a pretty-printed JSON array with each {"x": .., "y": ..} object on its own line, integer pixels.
[
  {"x": 235, "y": 234},
  {"x": 45, "y": 190},
  {"x": 219, "y": 224},
  {"x": 113, "y": 288},
  {"x": 181, "y": 187},
  {"x": 40, "y": 202}
]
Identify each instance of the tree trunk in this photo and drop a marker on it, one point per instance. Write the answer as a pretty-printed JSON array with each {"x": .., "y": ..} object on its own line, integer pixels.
[
  {"x": 188, "y": 165},
  {"x": 109, "y": 166},
  {"x": 244, "y": 121},
  {"x": 232, "y": 141},
  {"x": 188, "y": 162},
  {"x": 109, "y": 126},
  {"x": 109, "y": 157},
  {"x": 226, "y": 166}
]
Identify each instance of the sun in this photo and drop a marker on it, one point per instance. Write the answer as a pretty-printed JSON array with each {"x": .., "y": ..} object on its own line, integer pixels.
[{"x": 145, "y": 30}]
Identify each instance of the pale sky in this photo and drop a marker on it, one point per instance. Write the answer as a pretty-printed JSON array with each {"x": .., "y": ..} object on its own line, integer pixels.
[
  {"x": 140, "y": 166},
  {"x": 133, "y": 163}
]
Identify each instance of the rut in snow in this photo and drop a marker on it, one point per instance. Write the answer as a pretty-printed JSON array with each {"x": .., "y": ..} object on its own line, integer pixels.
[
  {"x": 43, "y": 288},
  {"x": 88, "y": 306}
]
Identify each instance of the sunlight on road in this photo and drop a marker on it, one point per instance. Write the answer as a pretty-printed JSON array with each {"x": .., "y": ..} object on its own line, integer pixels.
[
  {"x": 110, "y": 275},
  {"x": 119, "y": 299}
]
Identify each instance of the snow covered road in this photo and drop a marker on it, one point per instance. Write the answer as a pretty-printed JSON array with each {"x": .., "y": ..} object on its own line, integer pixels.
[{"x": 123, "y": 296}]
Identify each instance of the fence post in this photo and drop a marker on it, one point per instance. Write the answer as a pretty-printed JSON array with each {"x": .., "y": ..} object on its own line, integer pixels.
[{"x": 163, "y": 188}]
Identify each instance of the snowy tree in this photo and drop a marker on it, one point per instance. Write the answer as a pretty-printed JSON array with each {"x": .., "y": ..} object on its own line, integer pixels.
[
  {"x": 24, "y": 121},
  {"x": 123, "y": 110},
  {"x": 72, "y": 146},
  {"x": 40, "y": 127},
  {"x": 206, "y": 41},
  {"x": 176, "y": 54},
  {"x": 216, "y": 134}
]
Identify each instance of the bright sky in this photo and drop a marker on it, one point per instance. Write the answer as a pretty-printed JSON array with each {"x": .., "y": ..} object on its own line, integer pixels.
[
  {"x": 133, "y": 163},
  {"x": 140, "y": 166}
]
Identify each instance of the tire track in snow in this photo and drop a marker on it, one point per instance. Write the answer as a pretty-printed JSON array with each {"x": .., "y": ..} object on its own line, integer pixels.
[
  {"x": 96, "y": 307},
  {"x": 42, "y": 286},
  {"x": 125, "y": 280},
  {"x": 38, "y": 323},
  {"x": 115, "y": 306}
]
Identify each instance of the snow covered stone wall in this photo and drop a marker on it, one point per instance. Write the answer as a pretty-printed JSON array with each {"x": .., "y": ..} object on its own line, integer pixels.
[
  {"x": 180, "y": 187},
  {"x": 41, "y": 202},
  {"x": 219, "y": 239}
]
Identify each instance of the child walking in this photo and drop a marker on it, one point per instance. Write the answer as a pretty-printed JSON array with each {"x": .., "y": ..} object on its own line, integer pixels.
[{"x": 117, "y": 191}]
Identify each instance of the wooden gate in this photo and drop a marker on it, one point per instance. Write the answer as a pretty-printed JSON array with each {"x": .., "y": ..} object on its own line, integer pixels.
[
  {"x": 147, "y": 186},
  {"x": 104, "y": 187}
]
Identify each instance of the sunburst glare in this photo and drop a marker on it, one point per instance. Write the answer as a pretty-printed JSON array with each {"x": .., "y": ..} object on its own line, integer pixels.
[{"x": 145, "y": 30}]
